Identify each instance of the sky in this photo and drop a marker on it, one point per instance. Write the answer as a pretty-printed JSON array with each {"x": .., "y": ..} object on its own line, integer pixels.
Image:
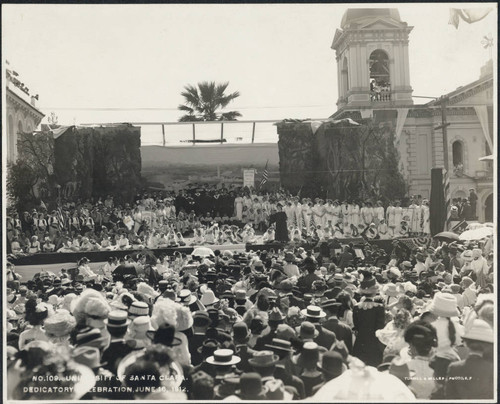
[{"x": 129, "y": 63}]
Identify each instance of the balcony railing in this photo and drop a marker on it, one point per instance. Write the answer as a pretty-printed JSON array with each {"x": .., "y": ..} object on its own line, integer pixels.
[{"x": 380, "y": 96}]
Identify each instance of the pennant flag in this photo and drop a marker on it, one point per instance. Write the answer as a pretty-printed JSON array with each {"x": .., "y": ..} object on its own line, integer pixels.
[
  {"x": 469, "y": 15},
  {"x": 42, "y": 205},
  {"x": 265, "y": 176},
  {"x": 460, "y": 227}
]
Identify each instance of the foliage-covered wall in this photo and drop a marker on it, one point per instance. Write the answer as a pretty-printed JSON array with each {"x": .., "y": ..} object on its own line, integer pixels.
[
  {"x": 340, "y": 160},
  {"x": 98, "y": 161},
  {"x": 295, "y": 148}
]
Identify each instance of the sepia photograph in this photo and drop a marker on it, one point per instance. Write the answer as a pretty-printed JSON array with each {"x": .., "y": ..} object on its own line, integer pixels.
[{"x": 249, "y": 202}]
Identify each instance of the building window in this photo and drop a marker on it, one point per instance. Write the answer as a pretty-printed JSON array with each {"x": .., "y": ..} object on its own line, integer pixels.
[
  {"x": 380, "y": 79},
  {"x": 458, "y": 157},
  {"x": 19, "y": 127}
]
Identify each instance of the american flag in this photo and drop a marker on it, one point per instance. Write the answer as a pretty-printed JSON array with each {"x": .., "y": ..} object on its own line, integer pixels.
[{"x": 265, "y": 176}]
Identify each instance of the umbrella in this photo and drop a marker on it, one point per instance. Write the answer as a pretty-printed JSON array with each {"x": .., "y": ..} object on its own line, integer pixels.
[
  {"x": 367, "y": 384},
  {"x": 476, "y": 234},
  {"x": 203, "y": 252},
  {"x": 486, "y": 158},
  {"x": 447, "y": 235}
]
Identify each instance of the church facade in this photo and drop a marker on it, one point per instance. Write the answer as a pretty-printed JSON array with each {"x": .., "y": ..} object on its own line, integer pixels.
[{"x": 372, "y": 53}]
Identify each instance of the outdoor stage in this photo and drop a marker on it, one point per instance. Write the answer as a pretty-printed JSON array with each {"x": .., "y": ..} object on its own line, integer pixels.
[{"x": 28, "y": 266}]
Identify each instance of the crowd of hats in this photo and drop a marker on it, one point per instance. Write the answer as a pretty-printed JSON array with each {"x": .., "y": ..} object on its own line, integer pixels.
[{"x": 238, "y": 326}]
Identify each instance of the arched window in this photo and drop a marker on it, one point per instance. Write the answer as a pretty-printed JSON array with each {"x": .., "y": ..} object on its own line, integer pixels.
[
  {"x": 345, "y": 76},
  {"x": 19, "y": 127},
  {"x": 380, "y": 79},
  {"x": 458, "y": 154}
]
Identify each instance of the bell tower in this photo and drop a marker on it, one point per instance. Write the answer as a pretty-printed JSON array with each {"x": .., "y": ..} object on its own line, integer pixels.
[{"x": 373, "y": 69}]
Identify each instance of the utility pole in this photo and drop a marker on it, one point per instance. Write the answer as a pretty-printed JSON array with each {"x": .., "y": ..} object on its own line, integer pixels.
[{"x": 444, "y": 128}]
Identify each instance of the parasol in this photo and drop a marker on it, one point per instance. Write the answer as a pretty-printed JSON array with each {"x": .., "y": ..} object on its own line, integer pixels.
[
  {"x": 447, "y": 235},
  {"x": 366, "y": 385},
  {"x": 203, "y": 252},
  {"x": 477, "y": 234}
]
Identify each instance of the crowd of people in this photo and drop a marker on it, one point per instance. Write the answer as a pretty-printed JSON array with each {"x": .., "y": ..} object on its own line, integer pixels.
[
  {"x": 288, "y": 324},
  {"x": 209, "y": 215},
  {"x": 464, "y": 208}
]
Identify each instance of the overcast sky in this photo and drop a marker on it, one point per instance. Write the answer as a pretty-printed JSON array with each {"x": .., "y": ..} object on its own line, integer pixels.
[{"x": 125, "y": 57}]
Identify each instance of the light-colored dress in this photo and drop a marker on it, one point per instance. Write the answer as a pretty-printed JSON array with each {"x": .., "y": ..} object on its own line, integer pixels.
[{"x": 238, "y": 203}]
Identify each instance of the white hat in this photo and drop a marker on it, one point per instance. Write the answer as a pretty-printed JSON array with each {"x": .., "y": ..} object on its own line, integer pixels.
[
  {"x": 444, "y": 305},
  {"x": 208, "y": 298},
  {"x": 480, "y": 331}
]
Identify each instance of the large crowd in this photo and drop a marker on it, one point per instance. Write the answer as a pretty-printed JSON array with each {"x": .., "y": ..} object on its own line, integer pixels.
[
  {"x": 270, "y": 324},
  {"x": 209, "y": 215}
]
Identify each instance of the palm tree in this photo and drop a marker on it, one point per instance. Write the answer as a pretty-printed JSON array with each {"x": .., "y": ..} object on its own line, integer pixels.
[{"x": 203, "y": 102}]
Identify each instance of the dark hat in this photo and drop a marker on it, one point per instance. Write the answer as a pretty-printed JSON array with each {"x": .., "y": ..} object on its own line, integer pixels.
[
  {"x": 251, "y": 387},
  {"x": 208, "y": 347},
  {"x": 240, "y": 331},
  {"x": 332, "y": 363},
  {"x": 369, "y": 284},
  {"x": 90, "y": 337},
  {"x": 276, "y": 316},
  {"x": 330, "y": 303},
  {"x": 257, "y": 325},
  {"x": 201, "y": 318},
  {"x": 280, "y": 345},
  {"x": 164, "y": 335}
]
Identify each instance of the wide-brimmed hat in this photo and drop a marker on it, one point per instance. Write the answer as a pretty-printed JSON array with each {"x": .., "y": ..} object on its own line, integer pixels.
[
  {"x": 263, "y": 359},
  {"x": 286, "y": 286},
  {"x": 279, "y": 345},
  {"x": 251, "y": 387},
  {"x": 444, "y": 305},
  {"x": 223, "y": 357},
  {"x": 138, "y": 309},
  {"x": 285, "y": 332},
  {"x": 208, "y": 298},
  {"x": 117, "y": 319},
  {"x": 313, "y": 312},
  {"x": 164, "y": 335},
  {"x": 307, "y": 330},
  {"x": 332, "y": 363},
  {"x": 87, "y": 355},
  {"x": 391, "y": 290},
  {"x": 185, "y": 297},
  {"x": 60, "y": 324},
  {"x": 480, "y": 331}
]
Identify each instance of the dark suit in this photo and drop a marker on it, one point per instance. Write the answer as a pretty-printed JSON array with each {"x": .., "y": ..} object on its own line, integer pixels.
[
  {"x": 342, "y": 331},
  {"x": 116, "y": 351},
  {"x": 325, "y": 338},
  {"x": 481, "y": 383}
]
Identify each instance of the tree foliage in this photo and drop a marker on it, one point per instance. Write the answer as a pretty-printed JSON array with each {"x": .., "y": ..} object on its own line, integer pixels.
[
  {"x": 21, "y": 180},
  {"x": 205, "y": 102}
]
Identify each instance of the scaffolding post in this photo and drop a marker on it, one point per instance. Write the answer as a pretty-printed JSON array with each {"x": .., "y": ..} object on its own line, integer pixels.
[
  {"x": 253, "y": 132},
  {"x": 222, "y": 132},
  {"x": 163, "y": 133},
  {"x": 194, "y": 134}
]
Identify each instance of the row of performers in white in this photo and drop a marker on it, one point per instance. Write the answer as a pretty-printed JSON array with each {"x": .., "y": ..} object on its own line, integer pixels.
[{"x": 394, "y": 221}]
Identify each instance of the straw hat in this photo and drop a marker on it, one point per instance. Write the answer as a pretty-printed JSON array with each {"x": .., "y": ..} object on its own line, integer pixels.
[
  {"x": 138, "y": 309},
  {"x": 391, "y": 290},
  {"x": 223, "y": 357},
  {"x": 280, "y": 345},
  {"x": 444, "y": 305},
  {"x": 186, "y": 298},
  {"x": 263, "y": 359},
  {"x": 313, "y": 312}
]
